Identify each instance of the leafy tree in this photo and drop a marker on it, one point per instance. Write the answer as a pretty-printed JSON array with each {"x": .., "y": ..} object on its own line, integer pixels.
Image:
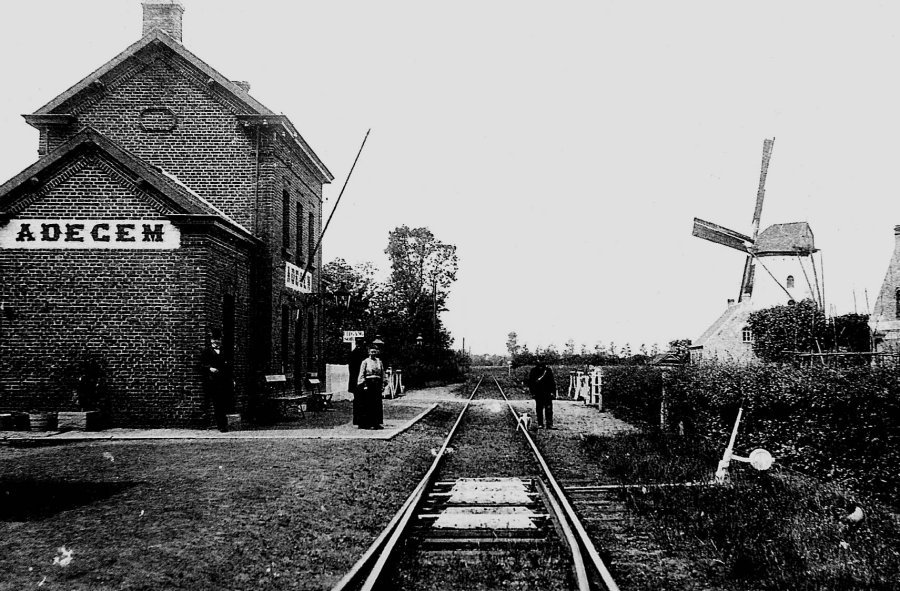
[
  {"x": 350, "y": 289},
  {"x": 780, "y": 330},
  {"x": 569, "y": 349},
  {"x": 851, "y": 332},
  {"x": 422, "y": 267},
  {"x": 422, "y": 271},
  {"x": 512, "y": 345}
]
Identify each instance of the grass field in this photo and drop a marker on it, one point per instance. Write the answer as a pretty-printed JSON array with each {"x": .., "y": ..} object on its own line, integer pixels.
[{"x": 275, "y": 514}]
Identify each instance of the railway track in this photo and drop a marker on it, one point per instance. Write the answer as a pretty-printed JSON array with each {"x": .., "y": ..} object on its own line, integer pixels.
[{"x": 488, "y": 506}]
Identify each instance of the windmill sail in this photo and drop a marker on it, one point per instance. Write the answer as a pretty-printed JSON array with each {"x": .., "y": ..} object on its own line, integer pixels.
[
  {"x": 747, "y": 278},
  {"x": 721, "y": 235},
  {"x": 761, "y": 192}
]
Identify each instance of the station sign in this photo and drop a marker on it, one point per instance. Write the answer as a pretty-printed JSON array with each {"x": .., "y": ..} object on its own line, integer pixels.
[
  {"x": 79, "y": 234},
  {"x": 350, "y": 336},
  {"x": 292, "y": 278}
]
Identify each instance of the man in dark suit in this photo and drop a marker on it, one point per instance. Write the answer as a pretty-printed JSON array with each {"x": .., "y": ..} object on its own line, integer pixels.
[
  {"x": 542, "y": 386},
  {"x": 216, "y": 379}
]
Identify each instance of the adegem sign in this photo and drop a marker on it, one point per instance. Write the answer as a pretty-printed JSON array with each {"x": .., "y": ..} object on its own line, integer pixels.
[{"x": 90, "y": 234}]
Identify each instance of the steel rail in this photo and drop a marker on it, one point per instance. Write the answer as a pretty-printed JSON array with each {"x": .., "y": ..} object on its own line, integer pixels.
[
  {"x": 386, "y": 542},
  {"x": 585, "y": 540},
  {"x": 577, "y": 559}
]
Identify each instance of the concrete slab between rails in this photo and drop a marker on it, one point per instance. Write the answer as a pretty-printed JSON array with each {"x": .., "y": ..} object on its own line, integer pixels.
[{"x": 392, "y": 428}]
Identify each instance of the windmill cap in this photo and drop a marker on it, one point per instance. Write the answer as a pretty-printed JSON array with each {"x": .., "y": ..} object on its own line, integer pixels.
[{"x": 795, "y": 238}]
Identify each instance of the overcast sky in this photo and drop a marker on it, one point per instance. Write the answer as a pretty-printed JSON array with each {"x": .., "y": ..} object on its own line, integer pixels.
[{"x": 563, "y": 147}]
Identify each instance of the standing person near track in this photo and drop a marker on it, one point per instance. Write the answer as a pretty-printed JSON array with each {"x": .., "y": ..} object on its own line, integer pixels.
[
  {"x": 371, "y": 383},
  {"x": 357, "y": 356},
  {"x": 217, "y": 379},
  {"x": 542, "y": 386}
]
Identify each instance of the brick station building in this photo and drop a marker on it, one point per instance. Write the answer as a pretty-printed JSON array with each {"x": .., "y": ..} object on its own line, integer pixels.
[{"x": 167, "y": 204}]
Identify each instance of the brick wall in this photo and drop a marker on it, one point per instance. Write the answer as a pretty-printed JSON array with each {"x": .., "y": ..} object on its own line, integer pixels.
[
  {"x": 164, "y": 113},
  {"x": 146, "y": 315},
  {"x": 141, "y": 316}
]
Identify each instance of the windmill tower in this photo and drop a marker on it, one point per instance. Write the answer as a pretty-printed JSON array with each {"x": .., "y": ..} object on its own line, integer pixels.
[
  {"x": 779, "y": 268},
  {"x": 779, "y": 265}
]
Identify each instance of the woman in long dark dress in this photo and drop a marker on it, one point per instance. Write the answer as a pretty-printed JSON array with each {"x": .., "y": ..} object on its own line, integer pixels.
[
  {"x": 371, "y": 382},
  {"x": 357, "y": 355}
]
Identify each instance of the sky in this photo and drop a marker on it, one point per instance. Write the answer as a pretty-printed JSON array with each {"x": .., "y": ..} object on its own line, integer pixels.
[{"x": 563, "y": 147}]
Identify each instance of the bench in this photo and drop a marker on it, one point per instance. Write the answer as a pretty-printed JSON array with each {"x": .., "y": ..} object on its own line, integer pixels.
[
  {"x": 283, "y": 397},
  {"x": 317, "y": 399}
]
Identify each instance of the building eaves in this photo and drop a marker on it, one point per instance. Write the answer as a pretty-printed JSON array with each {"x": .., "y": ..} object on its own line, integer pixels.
[{"x": 284, "y": 124}]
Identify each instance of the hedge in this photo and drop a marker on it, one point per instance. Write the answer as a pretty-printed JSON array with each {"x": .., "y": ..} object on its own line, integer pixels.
[{"x": 835, "y": 424}]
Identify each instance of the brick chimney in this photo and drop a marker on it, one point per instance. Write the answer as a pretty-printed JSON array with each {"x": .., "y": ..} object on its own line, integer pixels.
[{"x": 164, "y": 15}]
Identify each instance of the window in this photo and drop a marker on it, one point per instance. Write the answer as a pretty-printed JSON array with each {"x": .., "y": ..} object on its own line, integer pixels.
[
  {"x": 299, "y": 234},
  {"x": 790, "y": 282},
  {"x": 746, "y": 335},
  {"x": 897, "y": 303},
  {"x": 310, "y": 237},
  {"x": 310, "y": 341},
  {"x": 285, "y": 219},
  {"x": 285, "y": 337}
]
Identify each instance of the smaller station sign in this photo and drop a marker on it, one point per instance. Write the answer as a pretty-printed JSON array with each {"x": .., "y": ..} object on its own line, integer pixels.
[{"x": 350, "y": 336}]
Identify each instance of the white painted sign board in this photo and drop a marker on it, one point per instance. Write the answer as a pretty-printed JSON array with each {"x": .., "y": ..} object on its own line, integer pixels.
[
  {"x": 292, "y": 275},
  {"x": 79, "y": 234}
]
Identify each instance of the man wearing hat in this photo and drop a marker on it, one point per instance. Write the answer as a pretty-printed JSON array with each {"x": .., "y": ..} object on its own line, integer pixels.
[
  {"x": 216, "y": 378},
  {"x": 543, "y": 388}
]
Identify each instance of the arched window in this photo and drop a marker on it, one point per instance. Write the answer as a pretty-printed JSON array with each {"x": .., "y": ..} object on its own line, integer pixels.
[
  {"x": 790, "y": 282},
  {"x": 746, "y": 335}
]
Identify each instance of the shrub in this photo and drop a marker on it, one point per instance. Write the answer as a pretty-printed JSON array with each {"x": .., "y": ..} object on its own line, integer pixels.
[{"x": 838, "y": 424}]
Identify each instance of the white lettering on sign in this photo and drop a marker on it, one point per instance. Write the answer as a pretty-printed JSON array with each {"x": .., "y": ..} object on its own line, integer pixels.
[
  {"x": 292, "y": 275},
  {"x": 90, "y": 234}
]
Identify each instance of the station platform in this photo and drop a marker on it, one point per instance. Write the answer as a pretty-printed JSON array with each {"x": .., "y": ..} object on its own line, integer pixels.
[{"x": 399, "y": 415}]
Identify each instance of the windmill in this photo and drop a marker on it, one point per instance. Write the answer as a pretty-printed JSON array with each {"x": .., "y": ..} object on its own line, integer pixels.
[{"x": 781, "y": 242}]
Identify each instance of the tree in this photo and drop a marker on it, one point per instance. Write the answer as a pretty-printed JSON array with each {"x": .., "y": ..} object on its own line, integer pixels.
[
  {"x": 780, "y": 330},
  {"x": 422, "y": 270},
  {"x": 347, "y": 305},
  {"x": 802, "y": 327},
  {"x": 512, "y": 345},
  {"x": 569, "y": 349},
  {"x": 851, "y": 332},
  {"x": 422, "y": 267}
]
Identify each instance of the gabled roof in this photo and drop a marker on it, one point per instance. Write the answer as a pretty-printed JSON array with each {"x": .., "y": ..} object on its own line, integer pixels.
[
  {"x": 182, "y": 199},
  {"x": 59, "y": 106},
  {"x": 795, "y": 238},
  {"x": 156, "y": 36},
  {"x": 728, "y": 314}
]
